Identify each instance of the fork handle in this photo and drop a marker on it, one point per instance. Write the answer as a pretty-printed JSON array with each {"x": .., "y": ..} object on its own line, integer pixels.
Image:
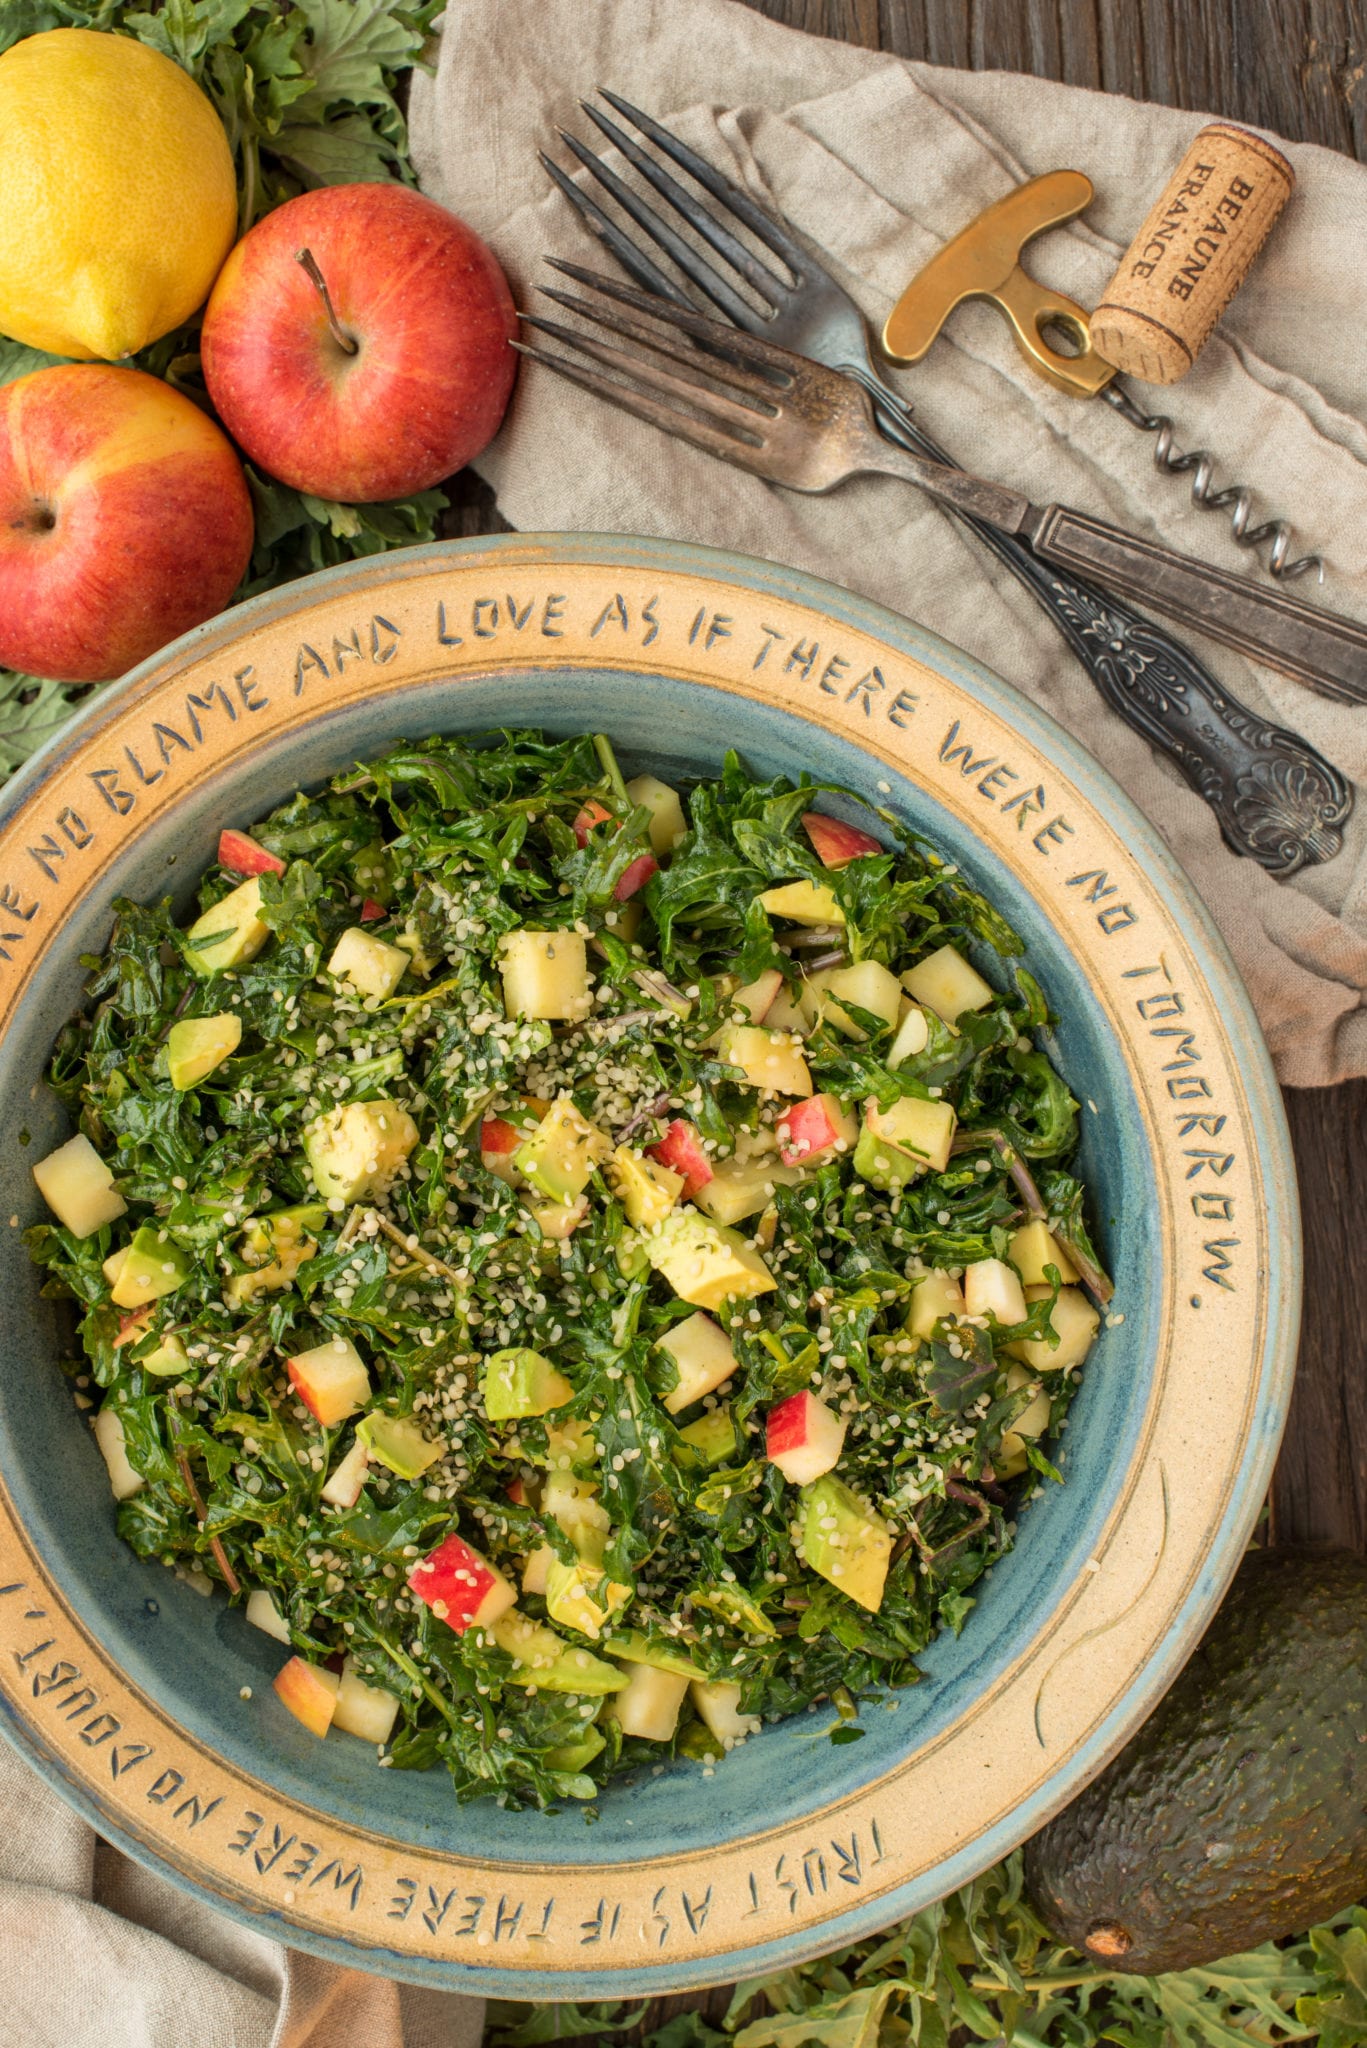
[
  {"x": 1277, "y": 801},
  {"x": 1319, "y": 648}
]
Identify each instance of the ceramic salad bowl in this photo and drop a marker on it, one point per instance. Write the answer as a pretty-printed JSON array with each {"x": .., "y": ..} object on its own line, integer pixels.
[{"x": 123, "y": 1685}]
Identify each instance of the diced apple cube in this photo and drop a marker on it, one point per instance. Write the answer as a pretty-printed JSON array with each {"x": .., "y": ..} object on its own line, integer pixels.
[
  {"x": 462, "y": 1588},
  {"x": 992, "y": 1289},
  {"x": 910, "y": 1138},
  {"x": 756, "y": 998},
  {"x": 1075, "y": 1324},
  {"x": 803, "y": 903},
  {"x": 242, "y": 855},
  {"x": 803, "y": 1437},
  {"x": 634, "y": 877},
  {"x": 536, "y": 1568},
  {"x": 667, "y": 824},
  {"x": 770, "y": 1060},
  {"x": 331, "y": 1380},
  {"x": 342, "y": 1487},
  {"x": 784, "y": 1014},
  {"x": 718, "y": 1705},
  {"x": 945, "y": 983},
  {"x": 1033, "y": 1419},
  {"x": 835, "y": 843},
  {"x": 363, "y": 1709},
  {"x": 373, "y": 967},
  {"x": 197, "y": 1045},
  {"x": 310, "y": 1692},
  {"x": 586, "y": 817},
  {"x": 275, "y": 1245},
  {"x": 264, "y": 1613},
  {"x": 867, "y": 985},
  {"x": 357, "y": 1149},
  {"x": 78, "y": 1187},
  {"x": 911, "y": 1036},
  {"x": 705, "y": 1263},
  {"x": 646, "y": 1189},
  {"x": 932, "y": 1300},
  {"x": 682, "y": 1150},
  {"x": 545, "y": 974},
  {"x": 702, "y": 1352},
  {"x": 229, "y": 933},
  {"x": 810, "y": 1130},
  {"x": 124, "y": 1478},
  {"x": 1032, "y": 1248},
  {"x": 648, "y": 1704}
]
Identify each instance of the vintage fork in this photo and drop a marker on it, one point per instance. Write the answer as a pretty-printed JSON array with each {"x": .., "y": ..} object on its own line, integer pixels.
[
  {"x": 1277, "y": 800},
  {"x": 794, "y": 422}
]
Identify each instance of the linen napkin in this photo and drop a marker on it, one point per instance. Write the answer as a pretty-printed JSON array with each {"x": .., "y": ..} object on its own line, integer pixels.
[{"x": 878, "y": 162}]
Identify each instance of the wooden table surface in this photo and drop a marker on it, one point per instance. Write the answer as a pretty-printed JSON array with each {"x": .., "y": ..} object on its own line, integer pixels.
[{"x": 1298, "y": 67}]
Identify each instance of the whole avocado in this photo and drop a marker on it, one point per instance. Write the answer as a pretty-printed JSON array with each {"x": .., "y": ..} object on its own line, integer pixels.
[{"x": 1238, "y": 1813}]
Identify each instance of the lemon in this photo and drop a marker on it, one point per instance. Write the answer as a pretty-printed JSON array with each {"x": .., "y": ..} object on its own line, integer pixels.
[{"x": 117, "y": 197}]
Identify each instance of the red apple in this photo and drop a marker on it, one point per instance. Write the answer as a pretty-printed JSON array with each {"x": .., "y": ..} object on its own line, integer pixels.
[
  {"x": 635, "y": 877},
  {"x": 310, "y": 1693},
  {"x": 402, "y": 384},
  {"x": 498, "y": 1136},
  {"x": 681, "y": 1148},
  {"x": 242, "y": 856},
  {"x": 835, "y": 843},
  {"x": 371, "y": 910},
  {"x": 462, "y": 1588},
  {"x": 124, "y": 520},
  {"x": 757, "y": 997},
  {"x": 593, "y": 813},
  {"x": 803, "y": 1437},
  {"x": 818, "y": 1125},
  {"x": 517, "y": 1492},
  {"x": 331, "y": 1380}
]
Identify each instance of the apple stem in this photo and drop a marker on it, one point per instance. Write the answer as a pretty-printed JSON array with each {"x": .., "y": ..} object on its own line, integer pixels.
[{"x": 308, "y": 263}]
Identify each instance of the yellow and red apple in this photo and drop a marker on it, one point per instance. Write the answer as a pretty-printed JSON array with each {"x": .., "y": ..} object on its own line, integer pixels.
[
  {"x": 462, "y": 1588},
  {"x": 803, "y": 1437},
  {"x": 358, "y": 343},
  {"x": 124, "y": 520}
]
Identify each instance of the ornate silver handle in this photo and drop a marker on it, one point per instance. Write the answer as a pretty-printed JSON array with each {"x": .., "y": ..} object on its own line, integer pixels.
[
  {"x": 1319, "y": 648},
  {"x": 1278, "y": 802}
]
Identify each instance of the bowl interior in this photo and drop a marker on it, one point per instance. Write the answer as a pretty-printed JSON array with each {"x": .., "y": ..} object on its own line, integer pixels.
[{"x": 194, "y": 1655}]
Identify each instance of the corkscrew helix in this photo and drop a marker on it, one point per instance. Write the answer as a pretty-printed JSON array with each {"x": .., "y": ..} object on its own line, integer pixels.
[
  {"x": 1237, "y": 499},
  {"x": 984, "y": 262}
]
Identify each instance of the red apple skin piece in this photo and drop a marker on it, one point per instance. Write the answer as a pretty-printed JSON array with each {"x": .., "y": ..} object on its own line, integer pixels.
[
  {"x": 241, "y": 855},
  {"x": 371, "y": 910},
  {"x": 309, "y": 1698},
  {"x": 681, "y": 1148},
  {"x": 803, "y": 1437},
  {"x": 592, "y": 814},
  {"x": 462, "y": 1588},
  {"x": 516, "y": 1492},
  {"x": 635, "y": 877},
  {"x": 124, "y": 520},
  {"x": 497, "y": 1136},
  {"x": 432, "y": 318},
  {"x": 813, "y": 1127},
  {"x": 835, "y": 843}
]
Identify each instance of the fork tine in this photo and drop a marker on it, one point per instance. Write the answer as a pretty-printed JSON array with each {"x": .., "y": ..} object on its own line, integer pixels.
[
  {"x": 681, "y": 425},
  {"x": 751, "y": 349},
  {"x": 761, "y": 224},
  {"x": 701, "y": 273},
  {"x": 723, "y": 412},
  {"x": 718, "y": 237},
  {"x": 725, "y": 372},
  {"x": 633, "y": 259}
]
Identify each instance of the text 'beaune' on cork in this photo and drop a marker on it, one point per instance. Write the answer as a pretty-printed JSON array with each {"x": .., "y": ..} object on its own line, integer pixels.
[{"x": 1192, "y": 254}]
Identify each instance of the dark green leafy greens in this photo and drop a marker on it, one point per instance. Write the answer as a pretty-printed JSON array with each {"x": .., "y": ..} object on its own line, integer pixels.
[
  {"x": 447, "y": 847},
  {"x": 307, "y": 93}
]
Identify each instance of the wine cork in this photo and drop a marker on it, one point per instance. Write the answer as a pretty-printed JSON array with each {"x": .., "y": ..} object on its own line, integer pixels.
[{"x": 1192, "y": 254}]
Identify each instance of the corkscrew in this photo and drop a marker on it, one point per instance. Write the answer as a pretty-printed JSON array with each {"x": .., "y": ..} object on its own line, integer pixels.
[{"x": 984, "y": 262}]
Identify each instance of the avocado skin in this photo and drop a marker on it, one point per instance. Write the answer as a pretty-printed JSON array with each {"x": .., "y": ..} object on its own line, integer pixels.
[{"x": 1238, "y": 1813}]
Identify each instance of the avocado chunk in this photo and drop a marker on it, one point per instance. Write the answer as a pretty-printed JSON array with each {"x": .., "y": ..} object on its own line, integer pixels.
[
  {"x": 646, "y": 1190},
  {"x": 1238, "y": 1813},
  {"x": 712, "y": 1436},
  {"x": 705, "y": 1263},
  {"x": 275, "y": 1246},
  {"x": 572, "y": 1756},
  {"x": 358, "y": 1149},
  {"x": 581, "y": 1596},
  {"x": 629, "y": 1646},
  {"x": 151, "y": 1266},
  {"x": 229, "y": 933},
  {"x": 398, "y": 1442},
  {"x": 521, "y": 1382},
  {"x": 845, "y": 1541},
  {"x": 804, "y": 903},
  {"x": 197, "y": 1045},
  {"x": 548, "y": 1662},
  {"x": 561, "y": 1153}
]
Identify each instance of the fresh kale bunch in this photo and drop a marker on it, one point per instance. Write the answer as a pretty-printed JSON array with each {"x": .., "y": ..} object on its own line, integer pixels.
[{"x": 307, "y": 93}]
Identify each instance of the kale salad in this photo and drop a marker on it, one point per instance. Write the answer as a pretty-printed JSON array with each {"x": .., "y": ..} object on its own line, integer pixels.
[{"x": 589, "y": 1265}]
